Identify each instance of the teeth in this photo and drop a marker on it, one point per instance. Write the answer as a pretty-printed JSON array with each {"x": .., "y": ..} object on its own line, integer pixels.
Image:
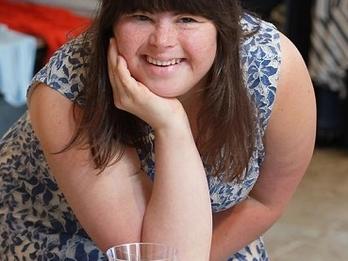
[{"x": 162, "y": 63}]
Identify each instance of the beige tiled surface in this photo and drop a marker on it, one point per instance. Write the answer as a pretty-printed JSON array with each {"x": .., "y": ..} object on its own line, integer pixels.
[{"x": 315, "y": 225}]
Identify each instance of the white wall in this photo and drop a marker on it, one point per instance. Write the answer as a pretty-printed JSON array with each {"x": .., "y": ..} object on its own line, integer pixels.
[{"x": 82, "y": 7}]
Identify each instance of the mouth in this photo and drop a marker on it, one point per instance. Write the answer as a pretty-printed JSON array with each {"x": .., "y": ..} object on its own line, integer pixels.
[{"x": 163, "y": 63}]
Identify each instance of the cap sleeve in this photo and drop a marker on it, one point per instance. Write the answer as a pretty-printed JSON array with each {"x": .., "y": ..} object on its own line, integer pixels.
[
  {"x": 261, "y": 58},
  {"x": 65, "y": 72}
]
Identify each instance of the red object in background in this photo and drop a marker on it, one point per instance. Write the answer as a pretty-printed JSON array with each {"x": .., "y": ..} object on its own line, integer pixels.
[{"x": 52, "y": 24}]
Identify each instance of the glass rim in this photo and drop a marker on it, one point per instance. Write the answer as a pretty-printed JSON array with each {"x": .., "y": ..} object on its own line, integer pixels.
[
  {"x": 143, "y": 244},
  {"x": 110, "y": 252}
]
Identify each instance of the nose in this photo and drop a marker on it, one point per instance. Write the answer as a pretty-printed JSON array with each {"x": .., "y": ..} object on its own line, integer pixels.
[{"x": 163, "y": 36}]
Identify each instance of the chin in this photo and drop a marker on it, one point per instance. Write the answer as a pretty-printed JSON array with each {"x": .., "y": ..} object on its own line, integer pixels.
[{"x": 163, "y": 91}]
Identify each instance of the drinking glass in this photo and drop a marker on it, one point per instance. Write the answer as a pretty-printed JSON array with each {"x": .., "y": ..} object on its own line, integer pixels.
[{"x": 141, "y": 252}]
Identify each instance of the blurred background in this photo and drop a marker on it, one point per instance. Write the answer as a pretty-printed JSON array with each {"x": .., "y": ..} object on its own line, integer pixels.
[{"x": 315, "y": 225}]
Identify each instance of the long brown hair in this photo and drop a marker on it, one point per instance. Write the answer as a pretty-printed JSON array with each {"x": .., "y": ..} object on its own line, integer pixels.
[{"x": 226, "y": 121}]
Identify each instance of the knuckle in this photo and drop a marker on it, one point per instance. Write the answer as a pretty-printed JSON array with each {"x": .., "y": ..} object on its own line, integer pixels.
[
  {"x": 121, "y": 102},
  {"x": 118, "y": 105},
  {"x": 123, "y": 80}
]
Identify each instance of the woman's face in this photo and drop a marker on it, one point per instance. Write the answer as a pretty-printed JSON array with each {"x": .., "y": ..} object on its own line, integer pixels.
[{"x": 169, "y": 53}]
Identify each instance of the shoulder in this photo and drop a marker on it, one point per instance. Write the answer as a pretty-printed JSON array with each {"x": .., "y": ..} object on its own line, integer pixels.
[
  {"x": 294, "y": 112},
  {"x": 65, "y": 72},
  {"x": 292, "y": 66},
  {"x": 294, "y": 78},
  {"x": 295, "y": 94}
]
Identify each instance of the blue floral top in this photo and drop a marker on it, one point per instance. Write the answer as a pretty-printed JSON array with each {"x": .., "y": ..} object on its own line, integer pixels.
[{"x": 36, "y": 223}]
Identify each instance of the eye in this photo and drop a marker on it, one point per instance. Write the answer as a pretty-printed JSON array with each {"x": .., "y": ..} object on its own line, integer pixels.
[
  {"x": 141, "y": 17},
  {"x": 187, "y": 20}
]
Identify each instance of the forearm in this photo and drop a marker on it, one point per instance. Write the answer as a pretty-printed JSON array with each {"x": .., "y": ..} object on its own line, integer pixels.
[
  {"x": 179, "y": 211},
  {"x": 235, "y": 228}
]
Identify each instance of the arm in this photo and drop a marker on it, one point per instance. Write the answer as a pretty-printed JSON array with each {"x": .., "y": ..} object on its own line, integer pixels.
[
  {"x": 289, "y": 143},
  {"x": 106, "y": 205},
  {"x": 179, "y": 212},
  {"x": 181, "y": 194}
]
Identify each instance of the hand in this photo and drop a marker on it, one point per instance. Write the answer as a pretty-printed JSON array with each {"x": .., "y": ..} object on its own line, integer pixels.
[{"x": 134, "y": 97}]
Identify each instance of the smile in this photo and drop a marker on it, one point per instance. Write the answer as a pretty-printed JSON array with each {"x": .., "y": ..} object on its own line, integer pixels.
[{"x": 163, "y": 63}]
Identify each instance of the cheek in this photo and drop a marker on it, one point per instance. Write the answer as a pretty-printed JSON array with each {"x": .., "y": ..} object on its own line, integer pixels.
[
  {"x": 203, "y": 43},
  {"x": 210, "y": 50},
  {"x": 128, "y": 47},
  {"x": 128, "y": 41},
  {"x": 203, "y": 51},
  {"x": 125, "y": 45},
  {"x": 211, "y": 47}
]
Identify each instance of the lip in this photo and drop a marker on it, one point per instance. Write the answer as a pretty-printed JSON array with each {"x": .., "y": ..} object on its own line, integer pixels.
[{"x": 162, "y": 67}]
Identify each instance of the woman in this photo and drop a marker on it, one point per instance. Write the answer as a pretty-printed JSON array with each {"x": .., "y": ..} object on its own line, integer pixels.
[{"x": 224, "y": 102}]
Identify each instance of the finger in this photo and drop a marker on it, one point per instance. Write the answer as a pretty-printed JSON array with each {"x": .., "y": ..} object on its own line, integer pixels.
[
  {"x": 124, "y": 75},
  {"x": 114, "y": 65},
  {"x": 112, "y": 61},
  {"x": 117, "y": 88}
]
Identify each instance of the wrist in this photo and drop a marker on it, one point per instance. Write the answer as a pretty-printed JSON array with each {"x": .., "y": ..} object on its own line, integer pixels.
[
  {"x": 176, "y": 122},
  {"x": 175, "y": 129}
]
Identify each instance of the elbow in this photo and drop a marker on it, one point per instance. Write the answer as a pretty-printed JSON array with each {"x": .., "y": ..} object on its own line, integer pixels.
[
  {"x": 275, "y": 212},
  {"x": 272, "y": 211}
]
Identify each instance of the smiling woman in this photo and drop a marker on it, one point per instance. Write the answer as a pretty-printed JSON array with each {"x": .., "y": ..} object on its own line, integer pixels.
[{"x": 169, "y": 121}]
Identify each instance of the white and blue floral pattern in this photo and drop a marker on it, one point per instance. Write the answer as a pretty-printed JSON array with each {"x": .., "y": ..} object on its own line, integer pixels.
[{"x": 36, "y": 223}]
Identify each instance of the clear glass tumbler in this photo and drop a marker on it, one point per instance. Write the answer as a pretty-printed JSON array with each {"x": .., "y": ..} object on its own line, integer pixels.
[{"x": 141, "y": 252}]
